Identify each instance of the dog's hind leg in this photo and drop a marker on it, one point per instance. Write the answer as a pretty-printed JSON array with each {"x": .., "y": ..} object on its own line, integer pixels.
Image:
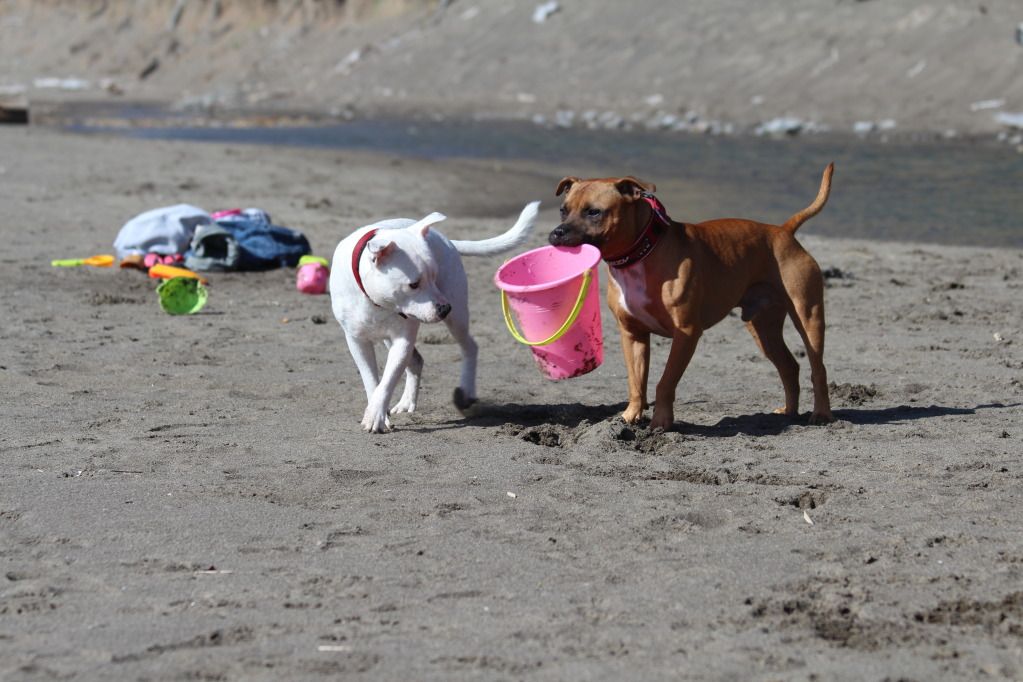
[
  {"x": 411, "y": 393},
  {"x": 766, "y": 329},
  {"x": 805, "y": 288},
  {"x": 458, "y": 323}
]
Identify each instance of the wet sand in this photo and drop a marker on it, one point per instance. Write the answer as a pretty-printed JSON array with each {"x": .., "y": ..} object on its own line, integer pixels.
[{"x": 193, "y": 498}]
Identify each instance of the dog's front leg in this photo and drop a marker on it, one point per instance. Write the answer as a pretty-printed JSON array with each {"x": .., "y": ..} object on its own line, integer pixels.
[
  {"x": 409, "y": 397},
  {"x": 683, "y": 345},
  {"x": 637, "y": 363},
  {"x": 375, "y": 419},
  {"x": 366, "y": 362}
]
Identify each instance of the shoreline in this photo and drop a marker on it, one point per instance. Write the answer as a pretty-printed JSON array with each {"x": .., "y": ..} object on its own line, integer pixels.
[
  {"x": 161, "y": 113},
  {"x": 948, "y": 192}
]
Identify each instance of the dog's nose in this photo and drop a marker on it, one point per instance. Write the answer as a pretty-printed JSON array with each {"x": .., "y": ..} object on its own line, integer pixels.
[
  {"x": 443, "y": 310},
  {"x": 557, "y": 234}
]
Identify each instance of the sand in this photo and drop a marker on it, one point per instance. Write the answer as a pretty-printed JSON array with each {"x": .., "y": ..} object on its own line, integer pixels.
[{"x": 193, "y": 498}]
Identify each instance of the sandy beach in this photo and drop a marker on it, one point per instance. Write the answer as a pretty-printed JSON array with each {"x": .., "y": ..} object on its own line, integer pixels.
[{"x": 193, "y": 498}]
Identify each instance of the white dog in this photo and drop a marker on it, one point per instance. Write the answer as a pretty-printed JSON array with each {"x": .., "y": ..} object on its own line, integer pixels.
[{"x": 385, "y": 280}]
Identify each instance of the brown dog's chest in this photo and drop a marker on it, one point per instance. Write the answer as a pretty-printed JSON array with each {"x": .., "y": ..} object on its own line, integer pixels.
[{"x": 638, "y": 301}]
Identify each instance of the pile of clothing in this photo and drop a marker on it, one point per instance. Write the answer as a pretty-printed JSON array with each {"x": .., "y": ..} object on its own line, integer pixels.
[{"x": 235, "y": 239}]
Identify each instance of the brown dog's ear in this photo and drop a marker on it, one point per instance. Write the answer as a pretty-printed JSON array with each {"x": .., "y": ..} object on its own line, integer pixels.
[
  {"x": 633, "y": 188},
  {"x": 565, "y": 184}
]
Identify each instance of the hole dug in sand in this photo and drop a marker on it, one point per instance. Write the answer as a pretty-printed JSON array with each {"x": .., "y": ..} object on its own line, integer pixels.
[
  {"x": 808, "y": 499},
  {"x": 546, "y": 435},
  {"x": 852, "y": 394}
]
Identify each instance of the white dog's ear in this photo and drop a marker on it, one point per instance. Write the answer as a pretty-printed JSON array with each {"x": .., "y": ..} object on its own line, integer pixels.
[
  {"x": 424, "y": 225},
  {"x": 379, "y": 252}
]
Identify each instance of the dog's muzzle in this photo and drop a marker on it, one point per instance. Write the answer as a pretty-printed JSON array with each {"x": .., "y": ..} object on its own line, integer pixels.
[{"x": 558, "y": 236}]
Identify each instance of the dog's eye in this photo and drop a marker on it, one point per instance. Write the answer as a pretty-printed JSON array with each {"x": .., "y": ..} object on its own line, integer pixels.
[
  {"x": 593, "y": 212},
  {"x": 564, "y": 211},
  {"x": 414, "y": 285}
]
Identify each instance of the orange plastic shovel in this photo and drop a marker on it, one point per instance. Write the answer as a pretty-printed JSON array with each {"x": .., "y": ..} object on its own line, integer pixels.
[{"x": 161, "y": 271}]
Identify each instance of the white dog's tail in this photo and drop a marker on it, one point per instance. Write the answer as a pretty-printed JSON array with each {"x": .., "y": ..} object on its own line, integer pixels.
[{"x": 509, "y": 240}]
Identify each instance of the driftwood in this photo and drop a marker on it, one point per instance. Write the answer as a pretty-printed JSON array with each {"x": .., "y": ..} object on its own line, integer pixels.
[
  {"x": 175, "y": 17},
  {"x": 13, "y": 110}
]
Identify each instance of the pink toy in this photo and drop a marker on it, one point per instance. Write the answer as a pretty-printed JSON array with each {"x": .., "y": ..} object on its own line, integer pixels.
[
  {"x": 313, "y": 273},
  {"x": 151, "y": 259}
]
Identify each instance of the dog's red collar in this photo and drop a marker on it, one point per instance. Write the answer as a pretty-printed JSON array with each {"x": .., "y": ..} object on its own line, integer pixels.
[
  {"x": 360, "y": 246},
  {"x": 647, "y": 239}
]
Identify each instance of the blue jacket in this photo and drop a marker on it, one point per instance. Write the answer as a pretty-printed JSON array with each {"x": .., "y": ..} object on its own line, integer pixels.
[{"x": 257, "y": 244}]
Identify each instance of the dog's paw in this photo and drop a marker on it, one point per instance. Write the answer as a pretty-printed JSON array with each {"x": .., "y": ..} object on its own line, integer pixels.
[
  {"x": 376, "y": 421},
  {"x": 817, "y": 418},
  {"x": 661, "y": 425},
  {"x": 633, "y": 414},
  {"x": 462, "y": 400},
  {"x": 404, "y": 405},
  {"x": 662, "y": 419}
]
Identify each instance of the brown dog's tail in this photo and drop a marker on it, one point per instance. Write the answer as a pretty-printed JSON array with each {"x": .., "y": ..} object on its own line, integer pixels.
[{"x": 793, "y": 223}]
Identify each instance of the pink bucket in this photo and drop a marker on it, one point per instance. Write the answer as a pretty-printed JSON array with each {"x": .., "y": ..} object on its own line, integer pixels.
[
  {"x": 554, "y": 292},
  {"x": 312, "y": 276}
]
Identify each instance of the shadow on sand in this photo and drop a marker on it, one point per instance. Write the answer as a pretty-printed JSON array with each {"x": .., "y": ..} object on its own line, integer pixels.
[
  {"x": 774, "y": 424},
  {"x": 571, "y": 415}
]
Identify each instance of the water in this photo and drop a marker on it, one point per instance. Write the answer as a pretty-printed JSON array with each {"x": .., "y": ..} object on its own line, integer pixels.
[{"x": 950, "y": 192}]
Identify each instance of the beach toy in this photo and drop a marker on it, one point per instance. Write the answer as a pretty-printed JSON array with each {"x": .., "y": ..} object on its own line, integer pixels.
[
  {"x": 554, "y": 293},
  {"x": 161, "y": 271},
  {"x": 182, "y": 295},
  {"x": 313, "y": 272},
  {"x": 134, "y": 261},
  {"x": 103, "y": 261},
  {"x": 151, "y": 259},
  {"x": 226, "y": 213}
]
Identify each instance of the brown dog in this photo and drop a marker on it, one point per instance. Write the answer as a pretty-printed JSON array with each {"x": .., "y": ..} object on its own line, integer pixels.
[{"x": 678, "y": 279}]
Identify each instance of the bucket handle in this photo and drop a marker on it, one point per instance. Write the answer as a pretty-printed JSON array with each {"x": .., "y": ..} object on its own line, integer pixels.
[{"x": 572, "y": 316}]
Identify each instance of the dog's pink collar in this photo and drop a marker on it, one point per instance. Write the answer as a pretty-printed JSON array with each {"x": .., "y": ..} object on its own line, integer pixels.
[
  {"x": 360, "y": 246},
  {"x": 648, "y": 239}
]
